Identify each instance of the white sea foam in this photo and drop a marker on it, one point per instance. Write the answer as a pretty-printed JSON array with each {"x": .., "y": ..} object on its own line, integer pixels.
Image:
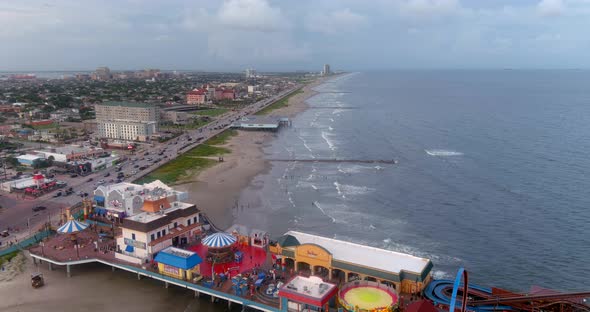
[
  {"x": 347, "y": 190},
  {"x": 332, "y": 119},
  {"x": 330, "y": 144},
  {"x": 315, "y": 203},
  {"x": 330, "y": 128},
  {"x": 337, "y": 185},
  {"x": 372, "y": 227},
  {"x": 442, "y": 152}
]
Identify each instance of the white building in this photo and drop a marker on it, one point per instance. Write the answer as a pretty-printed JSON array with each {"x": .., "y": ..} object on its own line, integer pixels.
[
  {"x": 250, "y": 73},
  {"x": 71, "y": 152},
  {"x": 253, "y": 89},
  {"x": 127, "y": 130},
  {"x": 126, "y": 120},
  {"x": 155, "y": 218}
]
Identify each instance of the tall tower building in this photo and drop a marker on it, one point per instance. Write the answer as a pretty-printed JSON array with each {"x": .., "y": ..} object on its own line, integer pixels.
[{"x": 326, "y": 70}]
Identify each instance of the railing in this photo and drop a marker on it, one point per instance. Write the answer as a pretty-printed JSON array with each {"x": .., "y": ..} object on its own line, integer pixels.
[{"x": 29, "y": 241}]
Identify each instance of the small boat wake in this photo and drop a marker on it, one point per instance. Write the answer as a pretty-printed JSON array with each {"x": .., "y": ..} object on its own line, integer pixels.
[{"x": 442, "y": 153}]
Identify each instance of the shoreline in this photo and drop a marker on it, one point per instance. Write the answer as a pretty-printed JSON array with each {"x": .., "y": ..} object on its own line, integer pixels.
[{"x": 216, "y": 189}]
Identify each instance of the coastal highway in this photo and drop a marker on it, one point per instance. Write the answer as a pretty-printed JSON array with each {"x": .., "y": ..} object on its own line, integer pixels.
[{"x": 18, "y": 212}]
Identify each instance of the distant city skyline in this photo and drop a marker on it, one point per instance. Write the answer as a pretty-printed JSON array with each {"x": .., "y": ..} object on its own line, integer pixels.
[{"x": 271, "y": 35}]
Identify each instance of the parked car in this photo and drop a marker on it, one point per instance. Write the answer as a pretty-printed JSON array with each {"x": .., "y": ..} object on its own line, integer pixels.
[
  {"x": 73, "y": 175},
  {"x": 58, "y": 194},
  {"x": 39, "y": 208},
  {"x": 90, "y": 180},
  {"x": 108, "y": 174}
]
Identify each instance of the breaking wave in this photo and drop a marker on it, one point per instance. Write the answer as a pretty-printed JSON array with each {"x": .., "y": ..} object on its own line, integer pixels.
[{"x": 442, "y": 153}]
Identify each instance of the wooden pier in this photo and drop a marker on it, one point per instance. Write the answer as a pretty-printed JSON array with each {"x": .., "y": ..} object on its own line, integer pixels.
[
  {"x": 334, "y": 107},
  {"x": 335, "y": 160}
]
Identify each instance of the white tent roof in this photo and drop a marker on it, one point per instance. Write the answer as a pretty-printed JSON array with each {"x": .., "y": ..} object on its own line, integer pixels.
[{"x": 381, "y": 259}]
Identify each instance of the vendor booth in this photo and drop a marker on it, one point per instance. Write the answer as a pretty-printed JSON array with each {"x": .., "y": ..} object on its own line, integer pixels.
[
  {"x": 241, "y": 233},
  {"x": 259, "y": 238},
  {"x": 178, "y": 263}
]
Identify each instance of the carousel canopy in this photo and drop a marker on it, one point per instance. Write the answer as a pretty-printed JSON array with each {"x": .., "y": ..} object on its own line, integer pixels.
[
  {"x": 218, "y": 240},
  {"x": 72, "y": 226}
]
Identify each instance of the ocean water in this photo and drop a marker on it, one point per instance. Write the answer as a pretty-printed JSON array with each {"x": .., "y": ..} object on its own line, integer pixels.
[{"x": 493, "y": 172}]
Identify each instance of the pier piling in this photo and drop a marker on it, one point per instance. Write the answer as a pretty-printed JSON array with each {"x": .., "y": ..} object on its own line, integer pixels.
[
  {"x": 166, "y": 285},
  {"x": 138, "y": 276},
  {"x": 68, "y": 271},
  {"x": 50, "y": 268},
  {"x": 197, "y": 294},
  {"x": 229, "y": 304},
  {"x": 113, "y": 269}
]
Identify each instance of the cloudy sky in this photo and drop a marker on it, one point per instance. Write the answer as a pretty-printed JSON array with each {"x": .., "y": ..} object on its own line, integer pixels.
[{"x": 230, "y": 35}]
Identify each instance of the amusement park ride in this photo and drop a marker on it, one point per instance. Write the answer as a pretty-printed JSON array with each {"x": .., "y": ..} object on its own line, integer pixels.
[{"x": 480, "y": 299}]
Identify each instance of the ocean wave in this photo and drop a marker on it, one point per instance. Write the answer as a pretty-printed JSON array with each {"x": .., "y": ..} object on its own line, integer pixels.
[
  {"x": 442, "y": 152},
  {"x": 317, "y": 205},
  {"x": 345, "y": 190},
  {"x": 330, "y": 144}
]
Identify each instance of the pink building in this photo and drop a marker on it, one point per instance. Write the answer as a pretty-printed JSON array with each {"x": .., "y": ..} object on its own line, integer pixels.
[{"x": 197, "y": 96}]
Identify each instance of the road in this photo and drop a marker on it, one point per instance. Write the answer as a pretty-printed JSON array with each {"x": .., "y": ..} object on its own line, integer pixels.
[{"x": 18, "y": 212}]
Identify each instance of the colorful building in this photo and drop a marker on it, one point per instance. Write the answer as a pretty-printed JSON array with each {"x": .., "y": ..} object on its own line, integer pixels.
[
  {"x": 307, "y": 294},
  {"x": 196, "y": 96},
  {"x": 178, "y": 263},
  {"x": 344, "y": 261}
]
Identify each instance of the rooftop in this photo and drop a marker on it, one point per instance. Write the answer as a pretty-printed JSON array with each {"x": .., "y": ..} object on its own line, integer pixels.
[
  {"x": 178, "y": 258},
  {"x": 147, "y": 217},
  {"x": 29, "y": 157},
  {"x": 127, "y": 104},
  {"x": 71, "y": 149},
  {"x": 313, "y": 287},
  {"x": 381, "y": 259}
]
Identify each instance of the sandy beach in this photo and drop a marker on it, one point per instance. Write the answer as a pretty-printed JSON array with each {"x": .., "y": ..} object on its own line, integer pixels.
[
  {"x": 93, "y": 287},
  {"x": 215, "y": 190}
]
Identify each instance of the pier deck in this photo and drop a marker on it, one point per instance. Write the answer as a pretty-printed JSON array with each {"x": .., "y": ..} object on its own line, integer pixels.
[{"x": 59, "y": 250}]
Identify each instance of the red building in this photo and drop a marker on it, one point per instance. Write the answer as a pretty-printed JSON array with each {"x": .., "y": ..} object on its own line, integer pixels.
[
  {"x": 197, "y": 96},
  {"x": 228, "y": 94},
  {"x": 34, "y": 123}
]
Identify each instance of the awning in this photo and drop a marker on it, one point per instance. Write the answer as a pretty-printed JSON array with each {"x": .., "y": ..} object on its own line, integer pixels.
[{"x": 129, "y": 248}]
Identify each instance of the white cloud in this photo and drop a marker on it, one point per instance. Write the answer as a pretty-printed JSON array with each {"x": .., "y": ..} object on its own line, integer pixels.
[
  {"x": 339, "y": 21},
  {"x": 550, "y": 7},
  {"x": 429, "y": 7},
  {"x": 252, "y": 15}
]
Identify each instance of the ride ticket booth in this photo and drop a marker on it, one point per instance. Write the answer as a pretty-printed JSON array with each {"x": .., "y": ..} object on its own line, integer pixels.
[
  {"x": 178, "y": 263},
  {"x": 307, "y": 294}
]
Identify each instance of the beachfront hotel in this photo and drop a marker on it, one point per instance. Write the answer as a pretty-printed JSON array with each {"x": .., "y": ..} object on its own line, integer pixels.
[
  {"x": 345, "y": 261},
  {"x": 153, "y": 216}
]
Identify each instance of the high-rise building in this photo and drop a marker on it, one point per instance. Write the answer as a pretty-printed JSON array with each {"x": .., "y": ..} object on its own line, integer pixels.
[
  {"x": 250, "y": 73},
  {"x": 126, "y": 120},
  {"x": 326, "y": 70},
  {"x": 102, "y": 73}
]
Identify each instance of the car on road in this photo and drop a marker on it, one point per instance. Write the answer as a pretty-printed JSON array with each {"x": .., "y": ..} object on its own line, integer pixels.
[
  {"x": 134, "y": 172},
  {"x": 101, "y": 182},
  {"x": 108, "y": 174},
  {"x": 136, "y": 166},
  {"x": 39, "y": 208},
  {"x": 73, "y": 175},
  {"x": 58, "y": 194},
  {"x": 90, "y": 180}
]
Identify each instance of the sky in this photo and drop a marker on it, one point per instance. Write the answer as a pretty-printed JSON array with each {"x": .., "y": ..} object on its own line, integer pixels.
[{"x": 285, "y": 35}]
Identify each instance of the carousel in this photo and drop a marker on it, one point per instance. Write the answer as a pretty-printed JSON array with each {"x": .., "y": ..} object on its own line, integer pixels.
[
  {"x": 72, "y": 227},
  {"x": 220, "y": 247}
]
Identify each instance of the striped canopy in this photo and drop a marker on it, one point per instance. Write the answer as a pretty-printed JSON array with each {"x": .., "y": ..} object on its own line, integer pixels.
[
  {"x": 218, "y": 240},
  {"x": 72, "y": 226}
]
